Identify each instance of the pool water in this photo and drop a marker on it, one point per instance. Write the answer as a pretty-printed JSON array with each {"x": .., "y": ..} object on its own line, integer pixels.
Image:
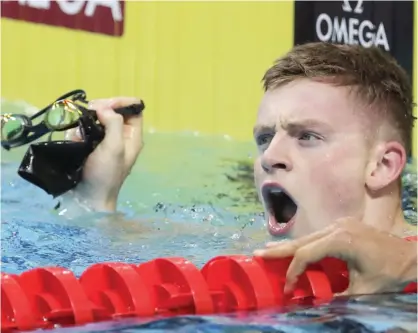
[{"x": 191, "y": 196}]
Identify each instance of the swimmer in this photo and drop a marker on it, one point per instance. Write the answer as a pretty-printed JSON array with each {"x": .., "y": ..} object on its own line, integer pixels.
[{"x": 333, "y": 133}]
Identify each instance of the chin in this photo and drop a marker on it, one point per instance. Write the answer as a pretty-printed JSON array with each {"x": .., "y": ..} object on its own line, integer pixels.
[{"x": 280, "y": 207}]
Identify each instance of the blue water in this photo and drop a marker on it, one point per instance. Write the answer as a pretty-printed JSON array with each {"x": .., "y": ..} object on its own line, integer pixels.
[
  {"x": 183, "y": 198},
  {"x": 188, "y": 196},
  {"x": 378, "y": 314}
]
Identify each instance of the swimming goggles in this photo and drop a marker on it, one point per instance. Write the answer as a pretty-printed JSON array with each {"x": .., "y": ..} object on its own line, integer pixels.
[{"x": 61, "y": 115}]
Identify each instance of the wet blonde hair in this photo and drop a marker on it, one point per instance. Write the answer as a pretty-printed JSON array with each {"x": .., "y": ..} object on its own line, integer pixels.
[{"x": 374, "y": 75}]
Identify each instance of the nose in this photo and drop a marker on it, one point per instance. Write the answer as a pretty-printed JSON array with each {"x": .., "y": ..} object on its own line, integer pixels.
[{"x": 276, "y": 156}]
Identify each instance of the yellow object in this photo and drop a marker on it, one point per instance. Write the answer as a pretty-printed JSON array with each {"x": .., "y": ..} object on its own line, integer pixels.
[{"x": 197, "y": 65}]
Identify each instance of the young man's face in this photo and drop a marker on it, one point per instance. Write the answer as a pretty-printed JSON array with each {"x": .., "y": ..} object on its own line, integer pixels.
[{"x": 312, "y": 146}]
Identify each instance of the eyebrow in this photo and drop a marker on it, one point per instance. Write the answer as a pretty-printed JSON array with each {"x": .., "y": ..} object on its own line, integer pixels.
[
  {"x": 305, "y": 123},
  {"x": 263, "y": 128},
  {"x": 294, "y": 125}
]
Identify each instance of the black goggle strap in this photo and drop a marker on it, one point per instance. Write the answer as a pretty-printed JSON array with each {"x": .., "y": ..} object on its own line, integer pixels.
[
  {"x": 34, "y": 132},
  {"x": 75, "y": 95}
]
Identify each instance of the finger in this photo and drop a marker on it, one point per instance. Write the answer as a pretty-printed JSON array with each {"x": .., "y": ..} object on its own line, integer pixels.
[
  {"x": 133, "y": 133},
  {"x": 100, "y": 102},
  {"x": 113, "y": 123},
  {"x": 73, "y": 134},
  {"x": 327, "y": 246},
  {"x": 343, "y": 294},
  {"x": 118, "y": 102},
  {"x": 273, "y": 244},
  {"x": 288, "y": 248}
]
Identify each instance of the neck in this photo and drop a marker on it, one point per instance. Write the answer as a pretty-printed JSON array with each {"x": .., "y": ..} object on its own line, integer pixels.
[{"x": 384, "y": 211}]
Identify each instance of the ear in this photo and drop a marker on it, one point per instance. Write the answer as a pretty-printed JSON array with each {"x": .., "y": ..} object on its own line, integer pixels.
[{"x": 386, "y": 165}]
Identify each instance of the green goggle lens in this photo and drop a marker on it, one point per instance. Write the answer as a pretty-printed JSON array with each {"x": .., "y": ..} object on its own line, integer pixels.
[
  {"x": 62, "y": 114},
  {"x": 11, "y": 127}
]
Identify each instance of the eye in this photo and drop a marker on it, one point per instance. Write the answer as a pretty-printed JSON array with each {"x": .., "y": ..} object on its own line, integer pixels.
[
  {"x": 309, "y": 139},
  {"x": 309, "y": 136},
  {"x": 264, "y": 139}
]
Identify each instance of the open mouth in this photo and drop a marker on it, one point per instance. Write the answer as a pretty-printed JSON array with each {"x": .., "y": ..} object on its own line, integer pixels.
[{"x": 281, "y": 207}]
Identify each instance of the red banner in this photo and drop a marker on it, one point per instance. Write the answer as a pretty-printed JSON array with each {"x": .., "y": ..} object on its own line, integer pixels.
[{"x": 98, "y": 16}]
